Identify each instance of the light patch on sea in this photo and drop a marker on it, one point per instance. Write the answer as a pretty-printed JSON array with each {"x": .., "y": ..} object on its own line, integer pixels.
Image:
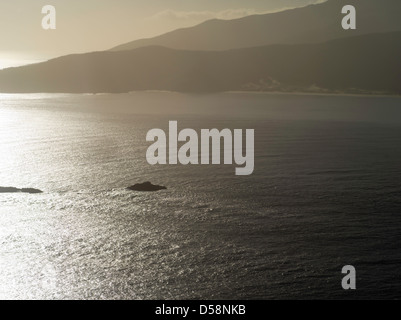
[{"x": 325, "y": 193}]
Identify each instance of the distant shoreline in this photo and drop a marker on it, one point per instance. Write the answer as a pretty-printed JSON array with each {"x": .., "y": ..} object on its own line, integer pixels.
[
  {"x": 284, "y": 93},
  {"x": 302, "y": 93}
]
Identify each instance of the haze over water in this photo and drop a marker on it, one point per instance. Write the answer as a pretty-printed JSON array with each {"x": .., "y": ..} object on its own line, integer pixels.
[{"x": 325, "y": 193}]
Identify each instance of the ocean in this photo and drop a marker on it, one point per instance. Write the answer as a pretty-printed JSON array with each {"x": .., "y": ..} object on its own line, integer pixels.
[{"x": 325, "y": 193}]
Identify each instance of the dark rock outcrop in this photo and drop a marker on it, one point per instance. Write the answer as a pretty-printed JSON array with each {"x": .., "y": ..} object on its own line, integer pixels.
[
  {"x": 31, "y": 190},
  {"x": 146, "y": 187},
  {"x": 16, "y": 190}
]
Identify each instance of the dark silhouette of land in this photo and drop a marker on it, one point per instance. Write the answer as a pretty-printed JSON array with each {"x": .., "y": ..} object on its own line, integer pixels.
[
  {"x": 146, "y": 187},
  {"x": 16, "y": 190},
  {"x": 311, "y": 24},
  {"x": 362, "y": 64}
]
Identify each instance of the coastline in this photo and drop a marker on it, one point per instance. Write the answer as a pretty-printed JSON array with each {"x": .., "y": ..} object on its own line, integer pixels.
[{"x": 284, "y": 93}]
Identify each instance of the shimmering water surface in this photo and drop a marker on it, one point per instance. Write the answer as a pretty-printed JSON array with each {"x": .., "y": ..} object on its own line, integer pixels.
[{"x": 326, "y": 192}]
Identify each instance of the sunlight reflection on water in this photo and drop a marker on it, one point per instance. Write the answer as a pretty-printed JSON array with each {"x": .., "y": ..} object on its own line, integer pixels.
[{"x": 312, "y": 206}]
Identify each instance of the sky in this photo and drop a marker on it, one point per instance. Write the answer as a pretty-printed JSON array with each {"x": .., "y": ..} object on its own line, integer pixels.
[{"x": 94, "y": 25}]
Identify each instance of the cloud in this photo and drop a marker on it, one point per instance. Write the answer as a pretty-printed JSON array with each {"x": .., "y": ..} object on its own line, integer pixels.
[
  {"x": 203, "y": 15},
  {"x": 229, "y": 14}
]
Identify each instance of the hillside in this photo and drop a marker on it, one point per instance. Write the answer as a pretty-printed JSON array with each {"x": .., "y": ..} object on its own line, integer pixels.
[
  {"x": 369, "y": 63},
  {"x": 311, "y": 24}
]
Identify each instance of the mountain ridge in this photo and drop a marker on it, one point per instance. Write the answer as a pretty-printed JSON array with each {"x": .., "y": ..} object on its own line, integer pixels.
[
  {"x": 310, "y": 24},
  {"x": 368, "y": 64}
]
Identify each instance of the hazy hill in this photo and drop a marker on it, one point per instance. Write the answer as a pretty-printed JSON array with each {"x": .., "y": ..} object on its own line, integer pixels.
[
  {"x": 311, "y": 24},
  {"x": 368, "y": 63}
]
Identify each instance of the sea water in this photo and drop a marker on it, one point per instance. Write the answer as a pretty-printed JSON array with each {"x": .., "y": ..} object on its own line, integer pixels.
[{"x": 325, "y": 193}]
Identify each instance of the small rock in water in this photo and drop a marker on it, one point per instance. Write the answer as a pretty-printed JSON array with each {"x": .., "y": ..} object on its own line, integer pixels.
[
  {"x": 16, "y": 190},
  {"x": 31, "y": 190},
  {"x": 146, "y": 187}
]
